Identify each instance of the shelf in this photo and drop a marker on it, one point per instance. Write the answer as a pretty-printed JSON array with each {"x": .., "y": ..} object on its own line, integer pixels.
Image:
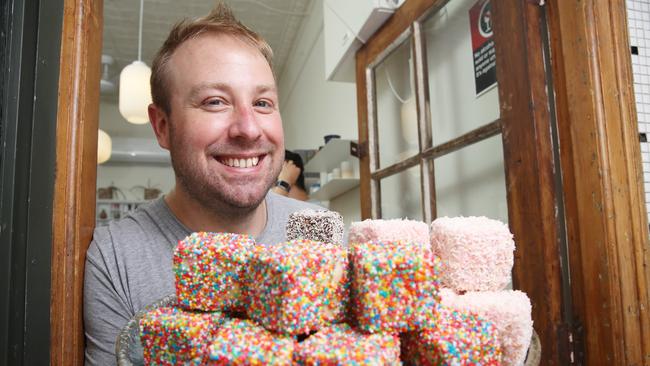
[
  {"x": 330, "y": 156},
  {"x": 334, "y": 188}
]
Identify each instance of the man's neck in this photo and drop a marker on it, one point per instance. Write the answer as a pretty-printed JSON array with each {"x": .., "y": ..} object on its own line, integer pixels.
[{"x": 197, "y": 217}]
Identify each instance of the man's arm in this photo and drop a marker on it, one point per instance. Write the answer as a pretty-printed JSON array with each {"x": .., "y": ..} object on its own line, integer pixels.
[{"x": 105, "y": 312}]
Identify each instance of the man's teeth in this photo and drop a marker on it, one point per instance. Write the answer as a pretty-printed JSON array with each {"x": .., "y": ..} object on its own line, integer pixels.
[{"x": 242, "y": 163}]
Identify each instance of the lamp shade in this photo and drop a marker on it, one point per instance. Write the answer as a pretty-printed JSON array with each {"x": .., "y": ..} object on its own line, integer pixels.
[
  {"x": 104, "y": 146},
  {"x": 409, "y": 120},
  {"x": 135, "y": 92}
]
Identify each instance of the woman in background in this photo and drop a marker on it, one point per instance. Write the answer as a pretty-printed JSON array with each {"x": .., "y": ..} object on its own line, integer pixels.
[{"x": 291, "y": 181}]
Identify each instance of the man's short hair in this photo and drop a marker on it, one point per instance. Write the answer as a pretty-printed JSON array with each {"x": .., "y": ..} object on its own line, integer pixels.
[{"x": 221, "y": 20}]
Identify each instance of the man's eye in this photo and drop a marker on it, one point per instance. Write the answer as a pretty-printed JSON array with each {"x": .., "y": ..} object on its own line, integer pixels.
[
  {"x": 263, "y": 104},
  {"x": 214, "y": 102}
]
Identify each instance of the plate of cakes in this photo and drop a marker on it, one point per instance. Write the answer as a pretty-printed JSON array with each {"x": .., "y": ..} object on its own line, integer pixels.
[{"x": 392, "y": 292}]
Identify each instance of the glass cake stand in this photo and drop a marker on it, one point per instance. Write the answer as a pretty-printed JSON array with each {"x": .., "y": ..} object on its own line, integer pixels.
[{"x": 128, "y": 348}]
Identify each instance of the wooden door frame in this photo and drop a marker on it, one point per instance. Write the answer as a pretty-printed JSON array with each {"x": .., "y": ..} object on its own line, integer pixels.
[
  {"x": 601, "y": 163},
  {"x": 552, "y": 208},
  {"x": 76, "y": 174}
]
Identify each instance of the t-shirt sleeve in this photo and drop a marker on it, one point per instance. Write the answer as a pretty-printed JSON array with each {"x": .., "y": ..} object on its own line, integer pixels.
[{"x": 105, "y": 311}]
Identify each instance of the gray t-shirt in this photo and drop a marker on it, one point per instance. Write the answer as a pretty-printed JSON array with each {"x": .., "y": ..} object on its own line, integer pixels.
[{"x": 129, "y": 266}]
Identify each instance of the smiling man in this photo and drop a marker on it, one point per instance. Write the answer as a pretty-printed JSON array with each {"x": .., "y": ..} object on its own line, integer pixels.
[{"x": 215, "y": 108}]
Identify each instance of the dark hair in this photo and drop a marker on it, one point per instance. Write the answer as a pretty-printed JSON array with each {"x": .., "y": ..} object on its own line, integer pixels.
[{"x": 297, "y": 160}]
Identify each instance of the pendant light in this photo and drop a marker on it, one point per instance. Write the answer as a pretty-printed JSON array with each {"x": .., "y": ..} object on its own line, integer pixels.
[
  {"x": 135, "y": 91},
  {"x": 104, "y": 146}
]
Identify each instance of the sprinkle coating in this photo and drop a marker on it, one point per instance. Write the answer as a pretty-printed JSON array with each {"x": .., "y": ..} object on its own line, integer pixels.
[
  {"x": 242, "y": 342},
  {"x": 209, "y": 270},
  {"x": 476, "y": 253},
  {"x": 298, "y": 286},
  {"x": 394, "y": 286},
  {"x": 339, "y": 344},
  {"x": 317, "y": 225},
  {"x": 458, "y": 338},
  {"x": 411, "y": 231},
  {"x": 509, "y": 311},
  {"x": 172, "y": 336}
]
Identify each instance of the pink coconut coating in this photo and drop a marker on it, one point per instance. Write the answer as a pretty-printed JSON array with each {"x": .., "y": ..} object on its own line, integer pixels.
[
  {"x": 509, "y": 311},
  {"x": 476, "y": 253},
  {"x": 409, "y": 231}
]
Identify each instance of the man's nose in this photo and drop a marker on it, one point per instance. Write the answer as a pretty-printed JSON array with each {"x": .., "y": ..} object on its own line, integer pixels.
[{"x": 244, "y": 124}]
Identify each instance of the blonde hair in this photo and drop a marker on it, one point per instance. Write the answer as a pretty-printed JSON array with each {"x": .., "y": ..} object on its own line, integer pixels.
[{"x": 221, "y": 20}]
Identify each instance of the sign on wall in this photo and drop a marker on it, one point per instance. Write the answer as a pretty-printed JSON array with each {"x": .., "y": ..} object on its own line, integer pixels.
[{"x": 480, "y": 18}]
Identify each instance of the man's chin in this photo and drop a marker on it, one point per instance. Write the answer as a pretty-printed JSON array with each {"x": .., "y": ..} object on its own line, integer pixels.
[{"x": 245, "y": 199}]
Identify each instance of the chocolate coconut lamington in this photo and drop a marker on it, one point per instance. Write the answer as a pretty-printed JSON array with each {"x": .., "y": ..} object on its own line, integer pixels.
[{"x": 322, "y": 226}]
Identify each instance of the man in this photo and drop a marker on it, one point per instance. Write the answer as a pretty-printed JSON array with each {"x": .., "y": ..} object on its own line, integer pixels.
[{"x": 215, "y": 108}]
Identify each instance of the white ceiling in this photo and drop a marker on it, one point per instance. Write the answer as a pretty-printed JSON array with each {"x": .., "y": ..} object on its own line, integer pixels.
[{"x": 277, "y": 21}]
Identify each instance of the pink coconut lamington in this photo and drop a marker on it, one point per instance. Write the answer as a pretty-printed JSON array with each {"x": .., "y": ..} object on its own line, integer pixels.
[
  {"x": 317, "y": 225},
  {"x": 209, "y": 269},
  {"x": 476, "y": 253},
  {"x": 509, "y": 311},
  {"x": 173, "y": 336},
  {"x": 298, "y": 286},
  {"x": 394, "y": 286},
  {"x": 410, "y": 231},
  {"x": 242, "y": 342},
  {"x": 339, "y": 344},
  {"x": 457, "y": 338}
]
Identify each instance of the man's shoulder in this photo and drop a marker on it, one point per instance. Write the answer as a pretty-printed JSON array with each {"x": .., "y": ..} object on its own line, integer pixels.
[
  {"x": 144, "y": 224},
  {"x": 279, "y": 202}
]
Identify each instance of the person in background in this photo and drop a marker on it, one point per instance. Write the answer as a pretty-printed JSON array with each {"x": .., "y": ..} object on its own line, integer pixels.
[
  {"x": 291, "y": 181},
  {"x": 215, "y": 108}
]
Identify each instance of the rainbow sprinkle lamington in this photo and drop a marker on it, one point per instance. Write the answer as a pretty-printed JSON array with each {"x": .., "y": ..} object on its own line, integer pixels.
[
  {"x": 242, "y": 342},
  {"x": 209, "y": 269},
  {"x": 297, "y": 286},
  {"x": 458, "y": 338},
  {"x": 394, "y": 286},
  {"x": 172, "y": 336},
  {"x": 510, "y": 313},
  {"x": 339, "y": 344}
]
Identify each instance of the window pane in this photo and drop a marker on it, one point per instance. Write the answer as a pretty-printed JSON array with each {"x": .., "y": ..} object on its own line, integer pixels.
[
  {"x": 458, "y": 105},
  {"x": 401, "y": 195},
  {"x": 471, "y": 181},
  {"x": 396, "y": 114}
]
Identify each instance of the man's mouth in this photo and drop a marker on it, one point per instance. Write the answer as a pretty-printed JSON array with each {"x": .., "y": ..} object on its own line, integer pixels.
[{"x": 239, "y": 162}]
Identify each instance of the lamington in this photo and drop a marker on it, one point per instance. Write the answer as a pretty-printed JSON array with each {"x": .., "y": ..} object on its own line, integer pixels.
[
  {"x": 298, "y": 286},
  {"x": 209, "y": 269}
]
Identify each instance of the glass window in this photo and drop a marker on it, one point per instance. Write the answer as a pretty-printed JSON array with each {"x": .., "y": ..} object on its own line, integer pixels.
[
  {"x": 396, "y": 111},
  {"x": 401, "y": 195},
  {"x": 456, "y": 63},
  {"x": 471, "y": 181}
]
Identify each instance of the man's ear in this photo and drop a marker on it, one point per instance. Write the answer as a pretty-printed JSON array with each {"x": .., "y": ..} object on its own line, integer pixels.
[{"x": 160, "y": 123}]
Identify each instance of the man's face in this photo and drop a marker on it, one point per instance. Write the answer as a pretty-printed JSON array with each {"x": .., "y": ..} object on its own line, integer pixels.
[{"x": 225, "y": 131}]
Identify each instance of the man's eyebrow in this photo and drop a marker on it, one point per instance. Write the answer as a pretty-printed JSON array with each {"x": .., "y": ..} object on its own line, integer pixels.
[
  {"x": 198, "y": 89},
  {"x": 266, "y": 88}
]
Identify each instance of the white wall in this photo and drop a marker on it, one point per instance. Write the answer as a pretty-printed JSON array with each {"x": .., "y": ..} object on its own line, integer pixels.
[{"x": 312, "y": 107}]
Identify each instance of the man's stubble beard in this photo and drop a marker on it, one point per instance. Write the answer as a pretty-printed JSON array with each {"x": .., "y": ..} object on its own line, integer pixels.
[{"x": 217, "y": 196}]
